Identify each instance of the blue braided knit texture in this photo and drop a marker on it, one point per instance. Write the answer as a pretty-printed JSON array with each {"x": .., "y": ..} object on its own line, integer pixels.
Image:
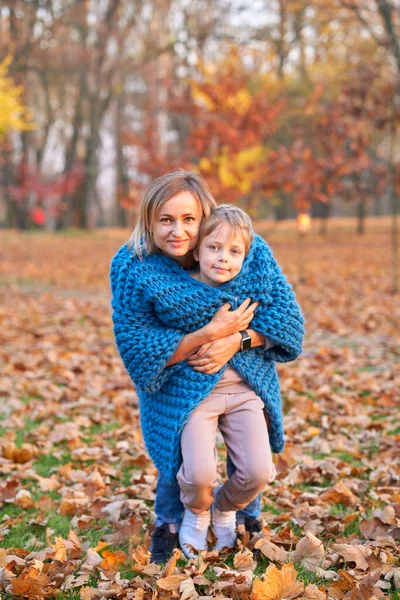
[{"x": 155, "y": 303}]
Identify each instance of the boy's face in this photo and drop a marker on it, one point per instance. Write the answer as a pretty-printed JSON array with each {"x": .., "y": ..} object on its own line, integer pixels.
[{"x": 220, "y": 255}]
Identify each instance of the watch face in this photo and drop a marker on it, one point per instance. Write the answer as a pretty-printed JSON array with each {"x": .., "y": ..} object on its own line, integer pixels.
[{"x": 246, "y": 343}]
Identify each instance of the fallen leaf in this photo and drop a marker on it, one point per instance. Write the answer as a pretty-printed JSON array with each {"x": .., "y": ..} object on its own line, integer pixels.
[
  {"x": 92, "y": 560},
  {"x": 310, "y": 551},
  {"x": 312, "y": 592},
  {"x": 112, "y": 560},
  {"x": 277, "y": 585},
  {"x": 187, "y": 590},
  {"x": 32, "y": 586},
  {"x": 340, "y": 494},
  {"x": 244, "y": 560},
  {"x": 171, "y": 564},
  {"x": 271, "y": 551},
  {"x": 171, "y": 583},
  {"x": 354, "y": 555},
  {"x": 24, "y": 499}
]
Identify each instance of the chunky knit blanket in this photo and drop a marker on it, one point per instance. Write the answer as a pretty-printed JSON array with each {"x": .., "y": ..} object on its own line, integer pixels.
[{"x": 156, "y": 302}]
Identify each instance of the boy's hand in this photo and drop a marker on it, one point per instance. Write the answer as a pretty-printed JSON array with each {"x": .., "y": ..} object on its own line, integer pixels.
[{"x": 211, "y": 357}]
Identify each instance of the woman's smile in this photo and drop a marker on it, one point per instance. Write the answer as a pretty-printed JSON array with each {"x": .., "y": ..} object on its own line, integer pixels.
[{"x": 177, "y": 242}]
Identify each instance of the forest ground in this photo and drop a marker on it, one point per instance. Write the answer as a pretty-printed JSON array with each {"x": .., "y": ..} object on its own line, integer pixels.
[{"x": 76, "y": 485}]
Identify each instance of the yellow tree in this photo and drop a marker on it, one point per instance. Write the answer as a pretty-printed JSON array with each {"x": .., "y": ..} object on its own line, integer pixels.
[{"x": 13, "y": 115}]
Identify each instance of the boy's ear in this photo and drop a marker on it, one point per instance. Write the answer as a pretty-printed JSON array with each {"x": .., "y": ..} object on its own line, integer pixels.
[{"x": 195, "y": 254}]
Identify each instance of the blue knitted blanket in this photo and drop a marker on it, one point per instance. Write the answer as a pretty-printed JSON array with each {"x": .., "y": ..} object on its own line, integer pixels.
[{"x": 156, "y": 302}]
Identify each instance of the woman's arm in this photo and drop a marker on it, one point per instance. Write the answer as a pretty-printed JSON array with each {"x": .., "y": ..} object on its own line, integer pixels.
[
  {"x": 211, "y": 357},
  {"x": 224, "y": 323},
  {"x": 190, "y": 343}
]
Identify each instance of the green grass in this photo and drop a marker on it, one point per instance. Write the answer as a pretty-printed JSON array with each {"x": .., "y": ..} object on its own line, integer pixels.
[
  {"x": 372, "y": 448},
  {"x": 22, "y": 533},
  {"x": 271, "y": 508},
  {"x": 27, "y": 399},
  {"x": 394, "y": 431},
  {"x": 364, "y": 393},
  {"x": 307, "y": 577},
  {"x": 306, "y": 487},
  {"x": 353, "y": 528},
  {"x": 90, "y": 432},
  {"x": 347, "y": 457},
  {"x": 37, "y": 494},
  {"x": 98, "y": 529},
  {"x": 367, "y": 369},
  {"x": 22, "y": 435},
  {"x": 73, "y": 594},
  {"x": 46, "y": 464},
  {"x": 338, "y": 510}
]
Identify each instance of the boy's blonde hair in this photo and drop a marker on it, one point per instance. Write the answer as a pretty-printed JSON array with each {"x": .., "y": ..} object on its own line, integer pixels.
[
  {"x": 160, "y": 190},
  {"x": 239, "y": 221}
]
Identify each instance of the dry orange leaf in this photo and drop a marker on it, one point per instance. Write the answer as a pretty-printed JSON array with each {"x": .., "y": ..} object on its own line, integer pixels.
[
  {"x": 244, "y": 560},
  {"x": 171, "y": 583},
  {"x": 88, "y": 593},
  {"x": 277, "y": 585},
  {"x": 24, "y": 499},
  {"x": 31, "y": 587},
  {"x": 357, "y": 554},
  {"x": 312, "y": 592},
  {"x": 68, "y": 506},
  {"x": 340, "y": 494},
  {"x": 60, "y": 550},
  {"x": 112, "y": 560},
  {"x": 171, "y": 564},
  {"x": 100, "y": 546},
  {"x": 141, "y": 556},
  {"x": 272, "y": 551}
]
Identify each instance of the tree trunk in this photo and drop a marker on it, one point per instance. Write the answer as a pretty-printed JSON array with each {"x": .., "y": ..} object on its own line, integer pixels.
[
  {"x": 361, "y": 216},
  {"x": 87, "y": 209},
  {"x": 72, "y": 200},
  {"x": 8, "y": 179},
  {"x": 281, "y": 45},
  {"x": 122, "y": 176},
  {"x": 394, "y": 197},
  {"x": 378, "y": 206}
]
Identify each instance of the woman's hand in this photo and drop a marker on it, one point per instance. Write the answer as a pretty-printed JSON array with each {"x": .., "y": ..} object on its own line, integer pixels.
[
  {"x": 226, "y": 322},
  {"x": 211, "y": 357}
]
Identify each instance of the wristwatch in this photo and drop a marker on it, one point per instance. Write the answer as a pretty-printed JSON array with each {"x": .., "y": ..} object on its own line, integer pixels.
[{"x": 245, "y": 342}]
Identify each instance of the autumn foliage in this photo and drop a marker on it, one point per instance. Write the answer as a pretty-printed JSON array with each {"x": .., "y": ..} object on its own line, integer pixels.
[{"x": 77, "y": 487}]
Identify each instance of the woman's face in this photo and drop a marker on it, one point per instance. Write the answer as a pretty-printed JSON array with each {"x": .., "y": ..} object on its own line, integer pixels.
[{"x": 176, "y": 226}]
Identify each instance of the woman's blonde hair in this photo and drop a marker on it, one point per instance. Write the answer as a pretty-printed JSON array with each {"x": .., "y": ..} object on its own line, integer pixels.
[
  {"x": 160, "y": 190},
  {"x": 238, "y": 220}
]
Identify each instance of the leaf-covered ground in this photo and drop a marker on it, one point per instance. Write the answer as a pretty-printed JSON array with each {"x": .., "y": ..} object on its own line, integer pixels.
[{"x": 76, "y": 485}]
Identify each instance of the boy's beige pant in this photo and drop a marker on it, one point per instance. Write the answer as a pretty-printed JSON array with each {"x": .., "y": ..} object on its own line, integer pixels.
[{"x": 236, "y": 409}]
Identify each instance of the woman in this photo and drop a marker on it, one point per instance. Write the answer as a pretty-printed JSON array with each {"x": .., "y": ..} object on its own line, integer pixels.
[{"x": 171, "y": 213}]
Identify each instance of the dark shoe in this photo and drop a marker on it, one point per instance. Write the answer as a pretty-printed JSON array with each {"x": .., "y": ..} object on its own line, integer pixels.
[
  {"x": 252, "y": 525},
  {"x": 163, "y": 544}
]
